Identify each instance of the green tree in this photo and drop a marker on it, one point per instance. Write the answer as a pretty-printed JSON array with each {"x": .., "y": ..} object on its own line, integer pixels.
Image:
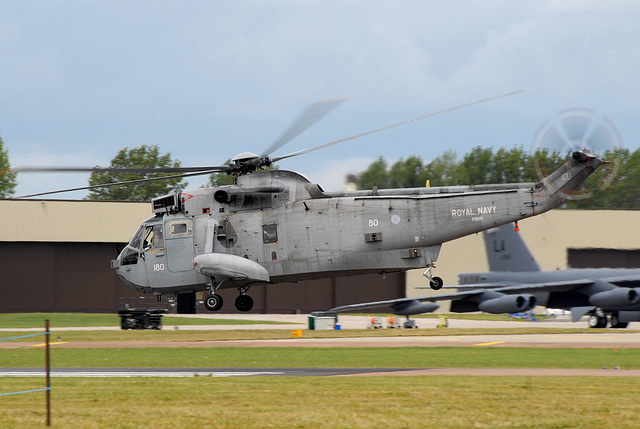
[
  {"x": 508, "y": 166},
  {"x": 144, "y": 157},
  {"x": 443, "y": 170},
  {"x": 613, "y": 186},
  {"x": 7, "y": 179},
  {"x": 406, "y": 174},
  {"x": 476, "y": 166},
  {"x": 623, "y": 172},
  {"x": 376, "y": 174}
]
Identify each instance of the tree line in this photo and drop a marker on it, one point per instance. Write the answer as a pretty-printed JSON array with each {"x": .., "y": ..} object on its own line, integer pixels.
[{"x": 613, "y": 186}]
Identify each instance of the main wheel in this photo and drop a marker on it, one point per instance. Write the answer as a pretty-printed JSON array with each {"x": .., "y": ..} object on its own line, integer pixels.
[
  {"x": 596, "y": 321},
  {"x": 244, "y": 303},
  {"x": 213, "y": 302},
  {"x": 436, "y": 283},
  {"x": 616, "y": 323}
]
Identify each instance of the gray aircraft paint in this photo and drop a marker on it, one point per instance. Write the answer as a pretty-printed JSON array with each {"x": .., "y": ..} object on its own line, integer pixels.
[{"x": 279, "y": 221}]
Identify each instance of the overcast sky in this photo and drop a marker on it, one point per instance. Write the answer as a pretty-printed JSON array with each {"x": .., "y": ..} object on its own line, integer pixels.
[{"x": 205, "y": 80}]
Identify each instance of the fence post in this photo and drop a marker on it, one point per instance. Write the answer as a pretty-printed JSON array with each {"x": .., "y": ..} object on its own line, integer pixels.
[{"x": 48, "y": 365}]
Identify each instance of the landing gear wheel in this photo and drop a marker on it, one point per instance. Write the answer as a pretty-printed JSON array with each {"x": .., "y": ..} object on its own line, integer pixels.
[
  {"x": 596, "y": 321},
  {"x": 436, "y": 283},
  {"x": 616, "y": 323},
  {"x": 213, "y": 302},
  {"x": 244, "y": 303}
]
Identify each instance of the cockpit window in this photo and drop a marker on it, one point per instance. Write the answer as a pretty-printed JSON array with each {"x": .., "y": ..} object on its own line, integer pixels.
[
  {"x": 129, "y": 255},
  {"x": 153, "y": 237}
]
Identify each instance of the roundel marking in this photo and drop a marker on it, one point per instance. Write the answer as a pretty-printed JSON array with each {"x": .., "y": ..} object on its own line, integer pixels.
[{"x": 395, "y": 219}]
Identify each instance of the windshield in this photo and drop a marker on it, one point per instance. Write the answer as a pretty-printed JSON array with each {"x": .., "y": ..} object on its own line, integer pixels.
[
  {"x": 129, "y": 255},
  {"x": 136, "y": 241}
]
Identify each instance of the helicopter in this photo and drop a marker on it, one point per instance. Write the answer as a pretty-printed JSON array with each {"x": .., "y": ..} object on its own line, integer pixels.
[{"x": 274, "y": 226}]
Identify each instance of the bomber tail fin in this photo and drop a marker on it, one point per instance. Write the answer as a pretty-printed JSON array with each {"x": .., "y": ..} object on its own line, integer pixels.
[{"x": 507, "y": 251}]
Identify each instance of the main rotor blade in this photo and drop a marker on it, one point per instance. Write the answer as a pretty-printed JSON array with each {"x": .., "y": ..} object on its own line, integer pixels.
[
  {"x": 129, "y": 182},
  {"x": 313, "y": 114},
  {"x": 397, "y": 124},
  {"x": 141, "y": 170}
]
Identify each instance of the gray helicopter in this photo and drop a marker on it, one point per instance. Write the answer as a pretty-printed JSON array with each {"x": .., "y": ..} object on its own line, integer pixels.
[{"x": 275, "y": 226}]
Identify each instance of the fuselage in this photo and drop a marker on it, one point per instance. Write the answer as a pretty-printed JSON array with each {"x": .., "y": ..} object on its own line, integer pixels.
[{"x": 278, "y": 221}]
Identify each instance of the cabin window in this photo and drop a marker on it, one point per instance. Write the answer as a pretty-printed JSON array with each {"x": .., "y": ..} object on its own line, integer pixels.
[
  {"x": 177, "y": 229},
  {"x": 270, "y": 233}
]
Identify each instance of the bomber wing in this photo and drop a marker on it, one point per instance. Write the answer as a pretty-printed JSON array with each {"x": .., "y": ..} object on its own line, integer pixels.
[
  {"x": 486, "y": 300},
  {"x": 497, "y": 298},
  {"x": 506, "y": 287},
  {"x": 405, "y": 306}
]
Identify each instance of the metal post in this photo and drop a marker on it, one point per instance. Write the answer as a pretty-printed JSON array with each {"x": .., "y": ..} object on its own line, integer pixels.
[{"x": 48, "y": 365}]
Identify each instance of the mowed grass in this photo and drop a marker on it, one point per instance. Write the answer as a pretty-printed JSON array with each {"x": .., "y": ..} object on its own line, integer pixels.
[
  {"x": 300, "y": 357},
  {"x": 331, "y": 402}
]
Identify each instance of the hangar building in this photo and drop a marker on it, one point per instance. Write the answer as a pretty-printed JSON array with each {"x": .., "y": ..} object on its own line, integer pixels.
[{"x": 55, "y": 256}]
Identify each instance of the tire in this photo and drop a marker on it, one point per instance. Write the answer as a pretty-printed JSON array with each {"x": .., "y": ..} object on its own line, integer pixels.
[
  {"x": 213, "y": 302},
  {"x": 244, "y": 303},
  {"x": 616, "y": 323},
  {"x": 436, "y": 283},
  {"x": 597, "y": 322}
]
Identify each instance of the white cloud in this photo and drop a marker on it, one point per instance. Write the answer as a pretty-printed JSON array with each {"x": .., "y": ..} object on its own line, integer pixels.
[{"x": 207, "y": 80}]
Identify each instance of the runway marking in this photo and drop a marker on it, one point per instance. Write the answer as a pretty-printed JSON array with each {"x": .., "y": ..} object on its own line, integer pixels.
[
  {"x": 490, "y": 344},
  {"x": 51, "y": 344}
]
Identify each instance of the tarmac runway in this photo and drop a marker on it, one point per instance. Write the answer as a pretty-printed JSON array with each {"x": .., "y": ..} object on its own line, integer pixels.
[
  {"x": 604, "y": 340},
  {"x": 300, "y": 321},
  {"x": 309, "y": 372},
  {"x": 193, "y": 372}
]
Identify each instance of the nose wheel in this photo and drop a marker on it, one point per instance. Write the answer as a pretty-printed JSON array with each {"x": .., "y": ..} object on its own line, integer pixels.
[{"x": 436, "y": 282}]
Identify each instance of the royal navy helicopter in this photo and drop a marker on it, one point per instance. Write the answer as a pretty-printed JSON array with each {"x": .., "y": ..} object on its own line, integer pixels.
[{"x": 274, "y": 226}]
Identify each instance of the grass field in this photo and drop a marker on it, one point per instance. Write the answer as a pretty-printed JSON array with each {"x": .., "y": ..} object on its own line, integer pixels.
[
  {"x": 402, "y": 357},
  {"x": 334, "y": 402},
  {"x": 317, "y": 402}
]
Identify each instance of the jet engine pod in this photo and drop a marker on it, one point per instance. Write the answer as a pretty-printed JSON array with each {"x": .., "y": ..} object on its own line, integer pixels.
[
  {"x": 221, "y": 196},
  {"x": 618, "y": 297},
  {"x": 414, "y": 307},
  {"x": 508, "y": 304}
]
